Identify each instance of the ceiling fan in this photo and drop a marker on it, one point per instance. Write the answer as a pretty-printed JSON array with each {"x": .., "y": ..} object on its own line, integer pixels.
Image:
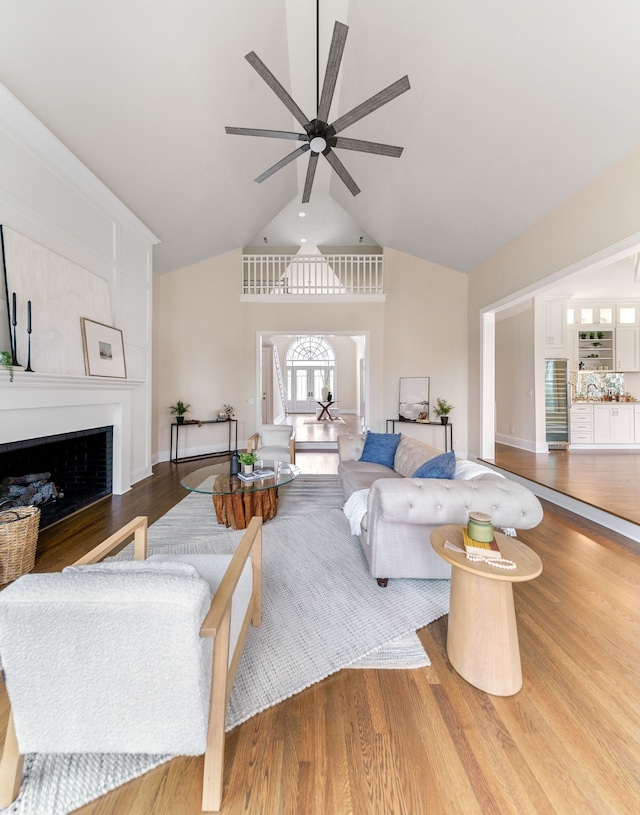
[{"x": 319, "y": 136}]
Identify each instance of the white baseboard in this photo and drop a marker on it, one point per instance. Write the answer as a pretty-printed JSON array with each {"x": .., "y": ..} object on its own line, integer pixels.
[
  {"x": 141, "y": 473},
  {"x": 203, "y": 450},
  {"x": 521, "y": 444}
]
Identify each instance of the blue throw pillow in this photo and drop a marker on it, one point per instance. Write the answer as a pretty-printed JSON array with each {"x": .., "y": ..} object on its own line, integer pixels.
[
  {"x": 443, "y": 466},
  {"x": 380, "y": 448}
]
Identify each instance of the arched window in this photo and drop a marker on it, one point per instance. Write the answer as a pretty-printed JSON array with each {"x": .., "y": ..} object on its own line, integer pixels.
[
  {"x": 304, "y": 350},
  {"x": 310, "y": 367}
]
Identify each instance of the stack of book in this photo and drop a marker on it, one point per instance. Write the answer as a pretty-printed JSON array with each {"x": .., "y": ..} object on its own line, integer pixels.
[
  {"x": 480, "y": 548},
  {"x": 257, "y": 474}
]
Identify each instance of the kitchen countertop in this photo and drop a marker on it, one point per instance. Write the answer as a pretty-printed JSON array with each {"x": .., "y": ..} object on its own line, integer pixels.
[{"x": 604, "y": 402}]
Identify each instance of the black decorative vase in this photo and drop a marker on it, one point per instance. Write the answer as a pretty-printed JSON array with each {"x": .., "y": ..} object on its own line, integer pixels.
[
  {"x": 444, "y": 419},
  {"x": 329, "y": 396},
  {"x": 179, "y": 419},
  {"x": 234, "y": 464}
]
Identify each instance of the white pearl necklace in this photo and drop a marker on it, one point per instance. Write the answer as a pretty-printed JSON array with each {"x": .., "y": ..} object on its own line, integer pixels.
[{"x": 499, "y": 563}]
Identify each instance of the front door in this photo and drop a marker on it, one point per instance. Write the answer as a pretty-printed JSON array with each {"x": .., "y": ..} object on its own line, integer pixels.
[{"x": 306, "y": 388}]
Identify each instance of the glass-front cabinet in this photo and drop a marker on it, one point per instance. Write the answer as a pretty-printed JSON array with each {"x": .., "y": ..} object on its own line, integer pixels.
[
  {"x": 593, "y": 314},
  {"x": 627, "y": 314}
]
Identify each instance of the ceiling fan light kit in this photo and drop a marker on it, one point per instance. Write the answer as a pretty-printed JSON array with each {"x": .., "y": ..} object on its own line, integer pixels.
[{"x": 319, "y": 136}]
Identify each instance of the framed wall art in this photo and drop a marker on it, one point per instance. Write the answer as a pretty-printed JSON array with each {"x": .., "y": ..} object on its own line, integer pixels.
[
  {"x": 414, "y": 399},
  {"x": 103, "y": 349}
]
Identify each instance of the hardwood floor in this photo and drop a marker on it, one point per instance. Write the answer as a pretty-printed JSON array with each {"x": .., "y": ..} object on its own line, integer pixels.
[
  {"x": 606, "y": 479},
  {"x": 424, "y": 742}
]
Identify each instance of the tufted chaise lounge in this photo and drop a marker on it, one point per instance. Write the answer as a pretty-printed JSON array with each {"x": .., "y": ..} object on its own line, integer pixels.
[{"x": 402, "y": 511}]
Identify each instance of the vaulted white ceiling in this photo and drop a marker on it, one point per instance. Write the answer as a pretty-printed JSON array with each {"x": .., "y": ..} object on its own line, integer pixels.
[{"x": 514, "y": 106}]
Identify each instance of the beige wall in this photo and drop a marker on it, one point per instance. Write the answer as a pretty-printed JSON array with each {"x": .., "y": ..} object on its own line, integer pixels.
[
  {"x": 206, "y": 340},
  {"x": 603, "y": 214},
  {"x": 425, "y": 334}
]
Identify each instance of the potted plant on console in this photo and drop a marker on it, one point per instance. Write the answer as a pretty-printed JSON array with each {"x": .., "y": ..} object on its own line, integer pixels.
[
  {"x": 442, "y": 409},
  {"x": 247, "y": 460},
  {"x": 6, "y": 360},
  {"x": 178, "y": 410}
]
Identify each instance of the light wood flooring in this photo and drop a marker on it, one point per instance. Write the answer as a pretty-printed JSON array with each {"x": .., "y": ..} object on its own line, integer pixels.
[
  {"x": 324, "y": 433},
  {"x": 425, "y": 742}
]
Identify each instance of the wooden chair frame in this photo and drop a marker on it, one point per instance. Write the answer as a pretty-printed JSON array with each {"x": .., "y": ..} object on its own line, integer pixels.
[
  {"x": 217, "y": 625},
  {"x": 252, "y": 444}
]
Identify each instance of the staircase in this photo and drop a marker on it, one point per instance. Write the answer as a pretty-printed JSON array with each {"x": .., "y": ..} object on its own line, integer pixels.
[{"x": 283, "y": 395}]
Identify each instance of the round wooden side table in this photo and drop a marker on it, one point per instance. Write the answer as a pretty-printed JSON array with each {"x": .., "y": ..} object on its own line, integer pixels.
[{"x": 482, "y": 635}]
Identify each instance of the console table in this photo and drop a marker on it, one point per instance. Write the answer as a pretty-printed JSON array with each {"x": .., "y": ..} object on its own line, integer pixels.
[
  {"x": 448, "y": 437},
  {"x": 179, "y": 427},
  {"x": 325, "y": 409}
]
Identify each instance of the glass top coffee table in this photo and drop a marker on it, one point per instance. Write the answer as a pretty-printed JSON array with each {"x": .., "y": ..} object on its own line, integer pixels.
[{"x": 236, "y": 501}]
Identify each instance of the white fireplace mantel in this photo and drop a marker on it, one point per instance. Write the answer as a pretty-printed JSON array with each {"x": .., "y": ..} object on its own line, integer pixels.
[{"x": 36, "y": 405}]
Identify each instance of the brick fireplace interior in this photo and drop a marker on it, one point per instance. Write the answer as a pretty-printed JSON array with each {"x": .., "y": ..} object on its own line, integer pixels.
[{"x": 80, "y": 464}]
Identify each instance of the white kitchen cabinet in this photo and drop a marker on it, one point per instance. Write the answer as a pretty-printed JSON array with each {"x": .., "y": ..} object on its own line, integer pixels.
[
  {"x": 613, "y": 424},
  {"x": 627, "y": 349},
  {"x": 636, "y": 417},
  {"x": 581, "y": 424},
  {"x": 622, "y": 429},
  {"x": 628, "y": 314},
  {"x": 596, "y": 314},
  {"x": 555, "y": 327},
  {"x": 601, "y": 424},
  {"x": 573, "y": 347}
]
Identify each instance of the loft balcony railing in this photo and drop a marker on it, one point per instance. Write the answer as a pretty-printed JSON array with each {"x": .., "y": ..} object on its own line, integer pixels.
[{"x": 313, "y": 275}]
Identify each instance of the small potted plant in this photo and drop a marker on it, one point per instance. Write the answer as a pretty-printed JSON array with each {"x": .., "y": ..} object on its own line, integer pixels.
[
  {"x": 442, "y": 409},
  {"x": 247, "y": 460},
  {"x": 6, "y": 360},
  {"x": 178, "y": 410}
]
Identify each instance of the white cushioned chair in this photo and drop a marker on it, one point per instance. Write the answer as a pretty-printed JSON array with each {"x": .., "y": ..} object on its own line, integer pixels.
[
  {"x": 128, "y": 656},
  {"x": 274, "y": 442}
]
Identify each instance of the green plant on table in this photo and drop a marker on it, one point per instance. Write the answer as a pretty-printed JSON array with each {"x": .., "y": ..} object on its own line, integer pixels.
[
  {"x": 6, "y": 360},
  {"x": 247, "y": 458},
  {"x": 179, "y": 409},
  {"x": 442, "y": 408}
]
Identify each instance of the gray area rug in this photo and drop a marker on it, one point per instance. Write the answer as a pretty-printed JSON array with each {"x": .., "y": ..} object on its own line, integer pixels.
[{"x": 322, "y": 612}]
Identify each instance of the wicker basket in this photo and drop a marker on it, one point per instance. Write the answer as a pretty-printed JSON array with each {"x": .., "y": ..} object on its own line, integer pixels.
[{"x": 18, "y": 541}]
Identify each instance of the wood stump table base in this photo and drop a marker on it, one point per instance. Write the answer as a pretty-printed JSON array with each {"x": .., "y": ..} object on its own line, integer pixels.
[{"x": 237, "y": 509}]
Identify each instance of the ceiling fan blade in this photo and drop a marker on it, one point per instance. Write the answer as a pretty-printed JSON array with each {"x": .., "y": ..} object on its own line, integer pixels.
[
  {"x": 308, "y": 183},
  {"x": 333, "y": 66},
  {"x": 254, "y": 60},
  {"x": 341, "y": 171},
  {"x": 270, "y": 134},
  {"x": 367, "y": 146},
  {"x": 370, "y": 105},
  {"x": 282, "y": 163}
]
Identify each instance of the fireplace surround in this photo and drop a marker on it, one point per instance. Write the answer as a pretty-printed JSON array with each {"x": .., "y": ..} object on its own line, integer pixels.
[{"x": 44, "y": 405}]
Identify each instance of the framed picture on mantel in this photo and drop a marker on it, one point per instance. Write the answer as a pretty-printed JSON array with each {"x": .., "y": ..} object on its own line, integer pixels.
[{"x": 103, "y": 349}]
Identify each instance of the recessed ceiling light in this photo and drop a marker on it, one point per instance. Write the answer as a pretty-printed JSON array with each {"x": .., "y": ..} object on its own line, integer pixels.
[
  {"x": 302, "y": 215},
  {"x": 303, "y": 240}
]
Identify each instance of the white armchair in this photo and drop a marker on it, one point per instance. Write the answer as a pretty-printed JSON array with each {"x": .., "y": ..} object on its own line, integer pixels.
[
  {"x": 275, "y": 442},
  {"x": 128, "y": 656}
]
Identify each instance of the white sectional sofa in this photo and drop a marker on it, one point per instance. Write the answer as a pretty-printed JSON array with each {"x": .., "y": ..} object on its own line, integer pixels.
[{"x": 399, "y": 512}]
